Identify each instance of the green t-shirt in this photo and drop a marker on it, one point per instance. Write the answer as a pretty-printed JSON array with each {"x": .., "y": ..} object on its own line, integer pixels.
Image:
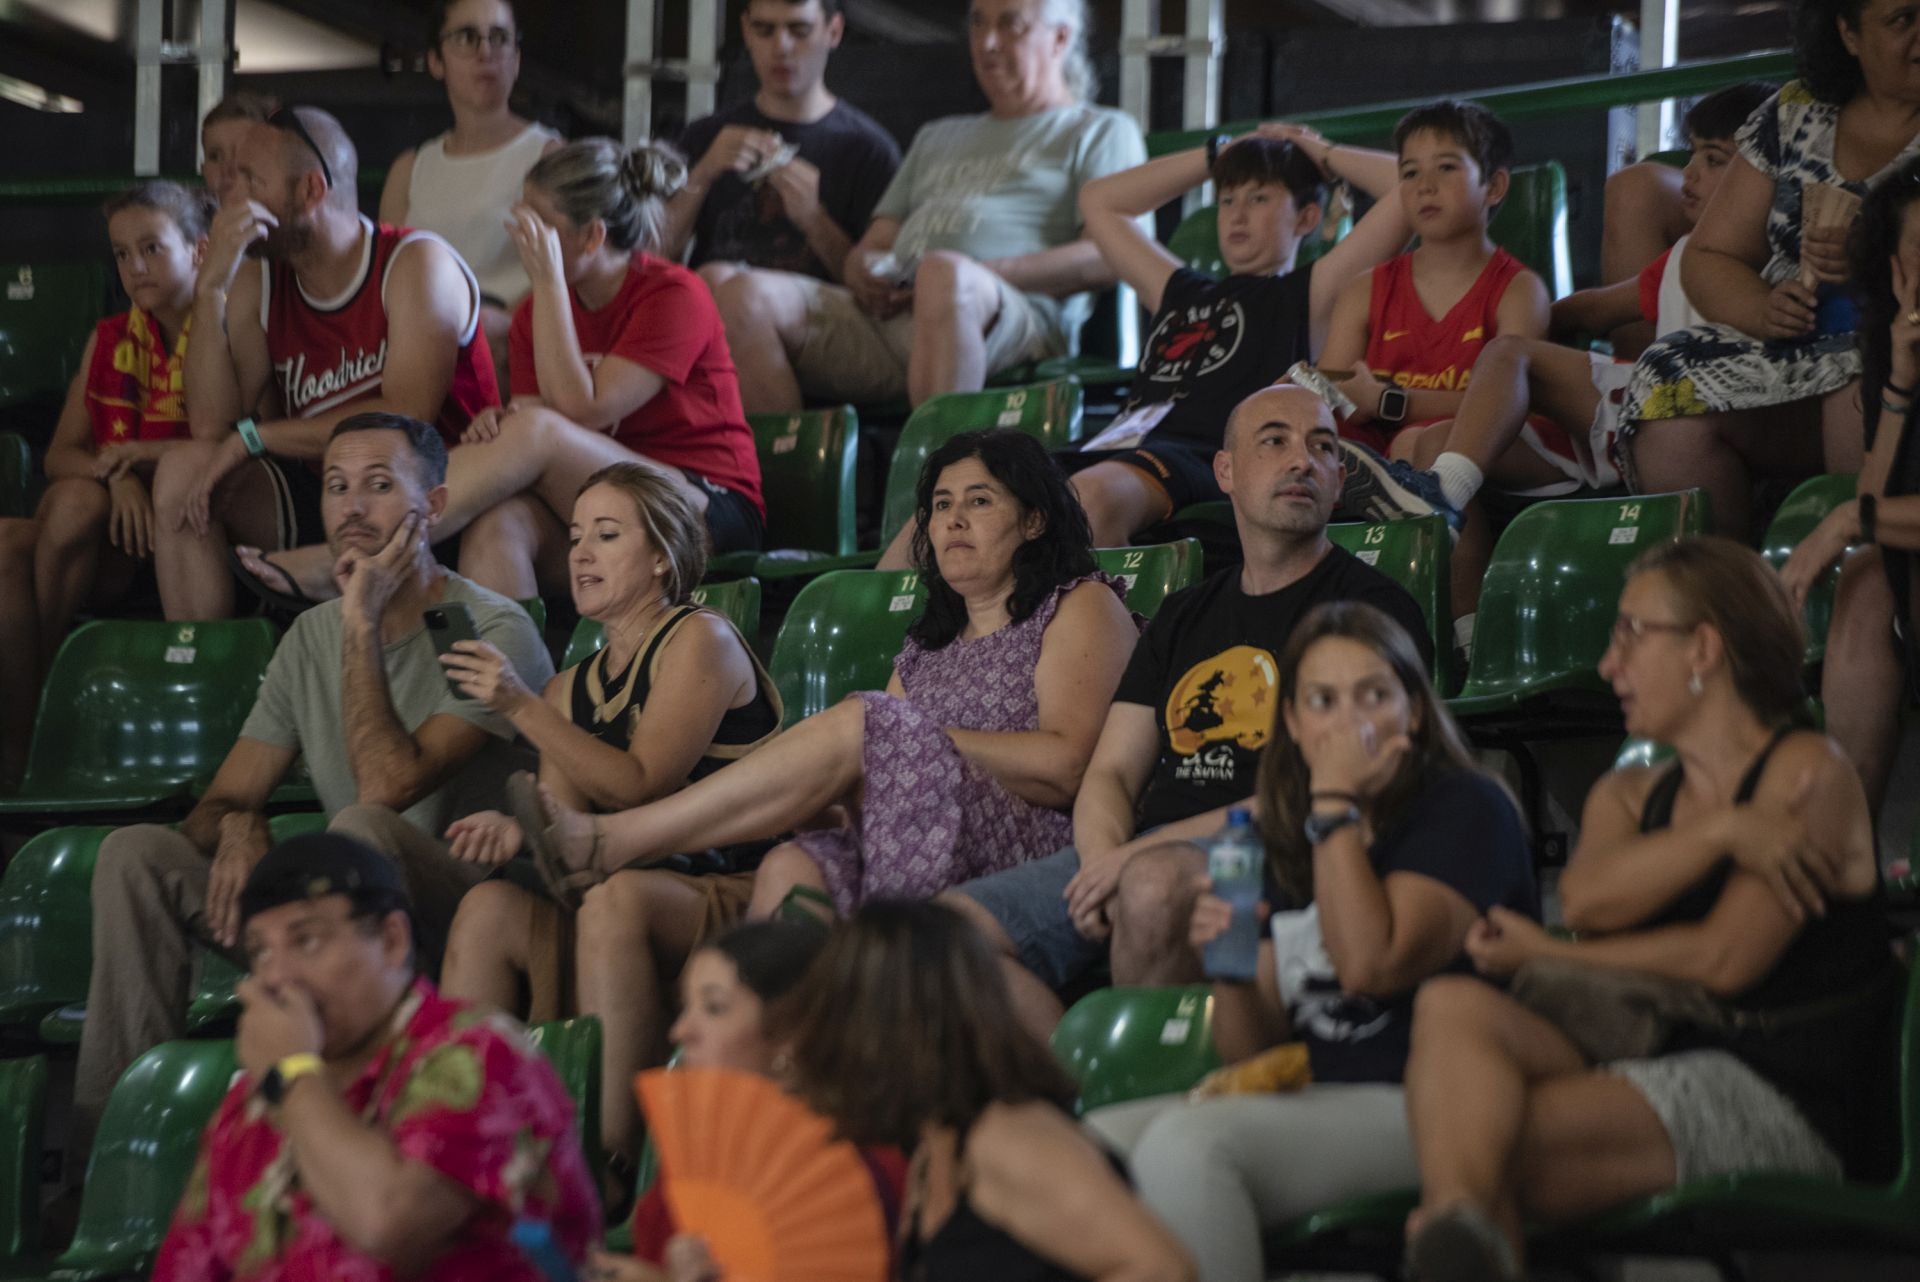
[
  {"x": 993, "y": 188},
  {"x": 300, "y": 704}
]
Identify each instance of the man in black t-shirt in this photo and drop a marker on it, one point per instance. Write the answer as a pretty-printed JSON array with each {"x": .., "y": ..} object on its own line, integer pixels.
[
  {"x": 1213, "y": 342},
  {"x": 788, "y": 179},
  {"x": 1182, "y": 741}
]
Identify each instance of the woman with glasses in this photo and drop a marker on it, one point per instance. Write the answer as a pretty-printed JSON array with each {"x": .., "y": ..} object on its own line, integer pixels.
[
  {"x": 1745, "y": 871},
  {"x": 462, "y": 183}
]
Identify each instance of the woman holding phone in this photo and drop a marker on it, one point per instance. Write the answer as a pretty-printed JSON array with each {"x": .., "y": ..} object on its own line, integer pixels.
[{"x": 1385, "y": 843}]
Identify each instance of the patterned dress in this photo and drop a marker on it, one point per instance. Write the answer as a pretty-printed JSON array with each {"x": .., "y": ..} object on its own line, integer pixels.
[
  {"x": 1715, "y": 368},
  {"x": 932, "y": 819},
  {"x": 456, "y": 1089}
]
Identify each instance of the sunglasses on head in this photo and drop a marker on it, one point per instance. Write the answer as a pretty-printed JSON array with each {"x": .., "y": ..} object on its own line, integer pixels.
[{"x": 286, "y": 118}]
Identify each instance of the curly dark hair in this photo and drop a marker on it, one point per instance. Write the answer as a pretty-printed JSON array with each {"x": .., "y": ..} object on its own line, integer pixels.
[
  {"x": 1061, "y": 552},
  {"x": 1872, "y": 246},
  {"x": 1820, "y": 60},
  {"x": 905, "y": 1020}
]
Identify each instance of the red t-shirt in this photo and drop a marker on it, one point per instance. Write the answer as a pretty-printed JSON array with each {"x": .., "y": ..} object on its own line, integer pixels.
[{"x": 663, "y": 319}]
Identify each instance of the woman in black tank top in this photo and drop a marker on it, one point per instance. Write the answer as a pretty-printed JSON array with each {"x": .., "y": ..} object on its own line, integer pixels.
[
  {"x": 1746, "y": 868},
  {"x": 674, "y": 693},
  {"x": 903, "y": 1033}
]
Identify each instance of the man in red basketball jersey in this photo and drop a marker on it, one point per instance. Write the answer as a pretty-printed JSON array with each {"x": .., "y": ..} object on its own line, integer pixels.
[{"x": 308, "y": 313}]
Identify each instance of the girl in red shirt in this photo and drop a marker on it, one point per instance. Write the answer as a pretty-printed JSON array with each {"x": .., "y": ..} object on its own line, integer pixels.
[
  {"x": 616, "y": 355},
  {"x": 94, "y": 528}
]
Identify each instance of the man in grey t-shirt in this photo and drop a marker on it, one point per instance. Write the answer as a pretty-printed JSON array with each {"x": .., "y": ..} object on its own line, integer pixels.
[
  {"x": 974, "y": 260},
  {"x": 357, "y": 688}
]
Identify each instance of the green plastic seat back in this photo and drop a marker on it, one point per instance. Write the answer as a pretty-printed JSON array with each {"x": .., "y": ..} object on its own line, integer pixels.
[
  {"x": 1803, "y": 509},
  {"x": 1128, "y": 1043},
  {"x": 1673, "y": 158},
  {"x": 23, "y": 1103},
  {"x": 536, "y": 608},
  {"x": 1531, "y": 224},
  {"x": 142, "y": 707},
  {"x": 1196, "y": 241},
  {"x": 1417, "y": 554},
  {"x": 738, "y": 599},
  {"x": 1049, "y": 412},
  {"x": 47, "y": 313},
  {"x": 1153, "y": 573},
  {"x": 841, "y": 635},
  {"x": 46, "y": 914},
  {"x": 143, "y": 1153},
  {"x": 807, "y": 476},
  {"x": 1552, "y": 589},
  {"x": 572, "y": 1046},
  {"x": 16, "y": 476}
]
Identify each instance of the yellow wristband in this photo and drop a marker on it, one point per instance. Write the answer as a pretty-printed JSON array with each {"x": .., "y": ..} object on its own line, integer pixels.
[{"x": 294, "y": 1067}]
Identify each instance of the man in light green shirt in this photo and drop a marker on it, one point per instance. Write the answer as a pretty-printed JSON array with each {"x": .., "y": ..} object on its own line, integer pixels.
[
  {"x": 975, "y": 260},
  {"x": 356, "y": 688}
]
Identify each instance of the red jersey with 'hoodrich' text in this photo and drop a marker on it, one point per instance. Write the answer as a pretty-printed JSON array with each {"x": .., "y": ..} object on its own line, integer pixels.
[{"x": 327, "y": 353}]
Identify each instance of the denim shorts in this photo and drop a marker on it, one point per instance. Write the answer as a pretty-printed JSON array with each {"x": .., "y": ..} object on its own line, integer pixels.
[{"x": 1028, "y": 900}]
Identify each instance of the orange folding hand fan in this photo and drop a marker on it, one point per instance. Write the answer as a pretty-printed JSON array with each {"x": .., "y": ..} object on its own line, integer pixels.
[{"x": 761, "y": 1178}]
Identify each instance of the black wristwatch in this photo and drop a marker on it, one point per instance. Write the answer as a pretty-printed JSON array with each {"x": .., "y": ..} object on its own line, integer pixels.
[
  {"x": 1393, "y": 405},
  {"x": 1214, "y": 144},
  {"x": 1319, "y": 827}
]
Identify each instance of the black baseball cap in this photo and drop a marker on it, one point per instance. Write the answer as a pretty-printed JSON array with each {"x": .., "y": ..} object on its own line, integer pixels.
[{"x": 315, "y": 865}]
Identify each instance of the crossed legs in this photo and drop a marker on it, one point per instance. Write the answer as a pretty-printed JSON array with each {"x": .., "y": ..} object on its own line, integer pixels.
[{"x": 1862, "y": 681}]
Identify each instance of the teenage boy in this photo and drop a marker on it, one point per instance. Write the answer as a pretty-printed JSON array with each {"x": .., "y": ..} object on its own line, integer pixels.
[
  {"x": 1491, "y": 437},
  {"x": 746, "y": 206},
  {"x": 1216, "y": 342}
]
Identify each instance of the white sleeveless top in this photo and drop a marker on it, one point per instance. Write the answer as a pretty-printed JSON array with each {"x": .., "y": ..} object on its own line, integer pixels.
[{"x": 466, "y": 198}]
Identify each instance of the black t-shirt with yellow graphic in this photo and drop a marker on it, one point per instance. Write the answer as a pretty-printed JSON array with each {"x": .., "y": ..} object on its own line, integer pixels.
[{"x": 1207, "y": 667}]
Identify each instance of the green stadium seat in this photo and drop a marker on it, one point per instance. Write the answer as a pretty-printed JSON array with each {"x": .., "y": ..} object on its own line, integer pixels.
[
  {"x": 47, "y": 313},
  {"x": 17, "y": 488},
  {"x": 1549, "y": 599},
  {"x": 23, "y": 1102},
  {"x": 738, "y": 599},
  {"x": 840, "y": 635},
  {"x": 573, "y": 1048},
  {"x": 46, "y": 911},
  {"x": 134, "y": 712},
  {"x": 1803, "y": 509},
  {"x": 1128, "y": 1043},
  {"x": 1416, "y": 554},
  {"x": 1531, "y": 224},
  {"x": 807, "y": 475},
  {"x": 148, "y": 1140},
  {"x": 536, "y": 608},
  {"x": 1152, "y": 574}
]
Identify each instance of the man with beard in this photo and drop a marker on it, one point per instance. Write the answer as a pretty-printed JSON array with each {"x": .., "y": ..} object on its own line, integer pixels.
[
  {"x": 1182, "y": 741},
  {"x": 306, "y": 312},
  {"x": 357, "y": 690}
]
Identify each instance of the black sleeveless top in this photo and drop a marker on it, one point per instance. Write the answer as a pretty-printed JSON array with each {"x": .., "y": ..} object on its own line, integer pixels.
[
  {"x": 607, "y": 705},
  {"x": 1838, "y": 1067}
]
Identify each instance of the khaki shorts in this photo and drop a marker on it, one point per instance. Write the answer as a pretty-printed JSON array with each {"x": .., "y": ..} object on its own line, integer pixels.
[{"x": 850, "y": 356}]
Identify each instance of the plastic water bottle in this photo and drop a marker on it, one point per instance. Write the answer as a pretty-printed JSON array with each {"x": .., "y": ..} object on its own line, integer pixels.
[{"x": 1235, "y": 857}]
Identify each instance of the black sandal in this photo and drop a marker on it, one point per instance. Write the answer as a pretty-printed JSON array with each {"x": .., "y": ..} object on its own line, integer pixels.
[
  {"x": 289, "y": 600},
  {"x": 567, "y": 885}
]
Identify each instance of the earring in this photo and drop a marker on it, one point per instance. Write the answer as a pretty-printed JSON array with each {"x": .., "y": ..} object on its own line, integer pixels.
[
  {"x": 1695, "y": 686},
  {"x": 782, "y": 1062}
]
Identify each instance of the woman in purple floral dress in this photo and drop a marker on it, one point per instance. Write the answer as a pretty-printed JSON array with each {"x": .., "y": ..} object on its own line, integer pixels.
[{"x": 969, "y": 761}]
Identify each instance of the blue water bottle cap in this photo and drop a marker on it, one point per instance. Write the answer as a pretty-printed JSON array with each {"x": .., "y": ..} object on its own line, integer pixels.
[{"x": 1239, "y": 815}]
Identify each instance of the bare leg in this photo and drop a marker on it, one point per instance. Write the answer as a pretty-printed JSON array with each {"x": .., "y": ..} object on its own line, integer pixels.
[
  {"x": 495, "y": 322},
  {"x": 19, "y": 642},
  {"x": 765, "y": 313},
  {"x": 1590, "y": 1141},
  {"x": 635, "y": 931},
  {"x": 718, "y": 273},
  {"x": 785, "y": 867},
  {"x": 192, "y": 568},
  {"x": 515, "y": 548},
  {"x": 1643, "y": 219},
  {"x": 488, "y": 946},
  {"x": 73, "y": 533},
  {"x": 1681, "y": 453},
  {"x": 1477, "y": 1054},
  {"x": 1842, "y": 433},
  {"x": 1512, "y": 378},
  {"x": 955, "y": 302},
  {"x": 1152, "y": 907},
  {"x": 1121, "y": 500},
  {"x": 1034, "y": 1004},
  {"x": 800, "y": 773},
  {"x": 1860, "y": 682},
  {"x": 899, "y": 551}
]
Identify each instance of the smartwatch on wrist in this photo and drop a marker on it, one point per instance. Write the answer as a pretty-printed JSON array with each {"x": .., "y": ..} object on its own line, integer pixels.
[
  {"x": 1393, "y": 405},
  {"x": 1214, "y": 146},
  {"x": 250, "y": 433},
  {"x": 273, "y": 1086},
  {"x": 1318, "y": 827}
]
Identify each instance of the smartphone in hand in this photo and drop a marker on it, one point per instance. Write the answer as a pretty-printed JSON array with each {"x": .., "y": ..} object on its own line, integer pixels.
[{"x": 448, "y": 622}]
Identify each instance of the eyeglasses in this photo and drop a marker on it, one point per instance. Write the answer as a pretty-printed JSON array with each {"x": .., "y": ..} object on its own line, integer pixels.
[
  {"x": 469, "y": 40},
  {"x": 1629, "y": 630},
  {"x": 286, "y": 118}
]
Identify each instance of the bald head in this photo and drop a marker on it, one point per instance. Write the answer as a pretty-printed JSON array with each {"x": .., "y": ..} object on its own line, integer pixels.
[
  {"x": 1282, "y": 403},
  {"x": 329, "y": 140}
]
